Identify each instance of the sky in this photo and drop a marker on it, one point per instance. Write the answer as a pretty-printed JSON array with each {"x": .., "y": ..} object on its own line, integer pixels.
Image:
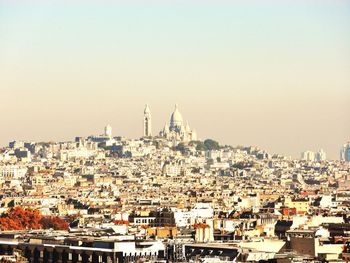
[{"x": 273, "y": 74}]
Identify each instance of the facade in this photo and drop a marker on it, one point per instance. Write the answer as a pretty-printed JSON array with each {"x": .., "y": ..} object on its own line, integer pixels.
[
  {"x": 312, "y": 243},
  {"x": 10, "y": 172},
  {"x": 81, "y": 249}
]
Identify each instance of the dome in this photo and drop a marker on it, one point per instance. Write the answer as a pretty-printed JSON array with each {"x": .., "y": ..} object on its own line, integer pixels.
[{"x": 176, "y": 118}]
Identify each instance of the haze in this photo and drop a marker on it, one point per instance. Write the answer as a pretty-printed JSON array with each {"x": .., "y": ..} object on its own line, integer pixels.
[{"x": 263, "y": 73}]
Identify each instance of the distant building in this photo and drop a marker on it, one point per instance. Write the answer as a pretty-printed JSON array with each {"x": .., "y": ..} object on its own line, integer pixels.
[
  {"x": 321, "y": 155},
  {"x": 106, "y": 137},
  {"x": 308, "y": 156},
  {"x": 16, "y": 144},
  {"x": 10, "y": 172},
  {"x": 345, "y": 152},
  {"x": 23, "y": 154},
  {"x": 177, "y": 131},
  {"x": 147, "y": 122},
  {"x": 108, "y": 131}
]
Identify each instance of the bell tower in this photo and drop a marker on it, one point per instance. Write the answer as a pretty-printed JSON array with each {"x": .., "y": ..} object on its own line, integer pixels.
[{"x": 147, "y": 122}]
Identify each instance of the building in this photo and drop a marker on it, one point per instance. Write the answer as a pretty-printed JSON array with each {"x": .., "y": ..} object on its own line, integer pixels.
[
  {"x": 308, "y": 156},
  {"x": 177, "y": 131},
  {"x": 147, "y": 122},
  {"x": 321, "y": 155},
  {"x": 80, "y": 248},
  {"x": 106, "y": 137},
  {"x": 311, "y": 156},
  {"x": 312, "y": 243},
  {"x": 10, "y": 172},
  {"x": 345, "y": 152},
  {"x": 300, "y": 204},
  {"x": 108, "y": 131}
]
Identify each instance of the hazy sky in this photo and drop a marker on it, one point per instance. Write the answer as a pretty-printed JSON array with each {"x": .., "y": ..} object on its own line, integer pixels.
[{"x": 275, "y": 74}]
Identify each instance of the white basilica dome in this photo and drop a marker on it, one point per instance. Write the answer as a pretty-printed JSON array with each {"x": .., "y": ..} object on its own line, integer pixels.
[{"x": 176, "y": 118}]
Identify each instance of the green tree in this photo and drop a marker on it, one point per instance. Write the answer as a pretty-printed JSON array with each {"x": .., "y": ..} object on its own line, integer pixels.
[
  {"x": 210, "y": 144},
  {"x": 198, "y": 144},
  {"x": 180, "y": 147}
]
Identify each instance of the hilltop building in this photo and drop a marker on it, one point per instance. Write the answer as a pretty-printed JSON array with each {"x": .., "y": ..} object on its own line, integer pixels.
[
  {"x": 177, "y": 131},
  {"x": 108, "y": 131},
  {"x": 147, "y": 122}
]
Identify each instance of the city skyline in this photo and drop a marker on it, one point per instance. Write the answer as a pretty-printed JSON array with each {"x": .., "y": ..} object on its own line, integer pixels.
[
  {"x": 274, "y": 75},
  {"x": 160, "y": 133}
]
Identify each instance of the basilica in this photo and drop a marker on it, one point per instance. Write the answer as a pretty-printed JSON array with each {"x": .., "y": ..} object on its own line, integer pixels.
[{"x": 177, "y": 131}]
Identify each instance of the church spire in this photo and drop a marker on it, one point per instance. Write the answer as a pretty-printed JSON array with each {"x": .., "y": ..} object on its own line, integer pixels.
[{"x": 147, "y": 122}]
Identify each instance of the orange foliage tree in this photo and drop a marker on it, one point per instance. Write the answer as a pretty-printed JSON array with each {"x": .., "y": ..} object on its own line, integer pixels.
[
  {"x": 18, "y": 218},
  {"x": 200, "y": 225},
  {"x": 120, "y": 222},
  {"x": 54, "y": 222}
]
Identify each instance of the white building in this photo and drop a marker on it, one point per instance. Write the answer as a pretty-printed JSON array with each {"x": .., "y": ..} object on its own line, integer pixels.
[
  {"x": 108, "y": 131},
  {"x": 202, "y": 210},
  {"x": 147, "y": 122},
  {"x": 177, "y": 131},
  {"x": 321, "y": 155},
  {"x": 12, "y": 172},
  {"x": 308, "y": 156}
]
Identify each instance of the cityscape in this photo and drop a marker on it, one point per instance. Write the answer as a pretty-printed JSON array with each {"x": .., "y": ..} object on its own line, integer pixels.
[
  {"x": 174, "y": 131},
  {"x": 170, "y": 197}
]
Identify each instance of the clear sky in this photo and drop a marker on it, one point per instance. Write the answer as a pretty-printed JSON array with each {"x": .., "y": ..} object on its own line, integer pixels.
[{"x": 275, "y": 74}]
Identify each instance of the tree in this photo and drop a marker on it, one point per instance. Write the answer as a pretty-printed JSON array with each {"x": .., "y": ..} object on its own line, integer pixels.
[
  {"x": 199, "y": 145},
  {"x": 200, "y": 225},
  {"x": 120, "y": 222},
  {"x": 210, "y": 144},
  {"x": 180, "y": 147},
  {"x": 53, "y": 222},
  {"x": 207, "y": 145},
  {"x": 18, "y": 218}
]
